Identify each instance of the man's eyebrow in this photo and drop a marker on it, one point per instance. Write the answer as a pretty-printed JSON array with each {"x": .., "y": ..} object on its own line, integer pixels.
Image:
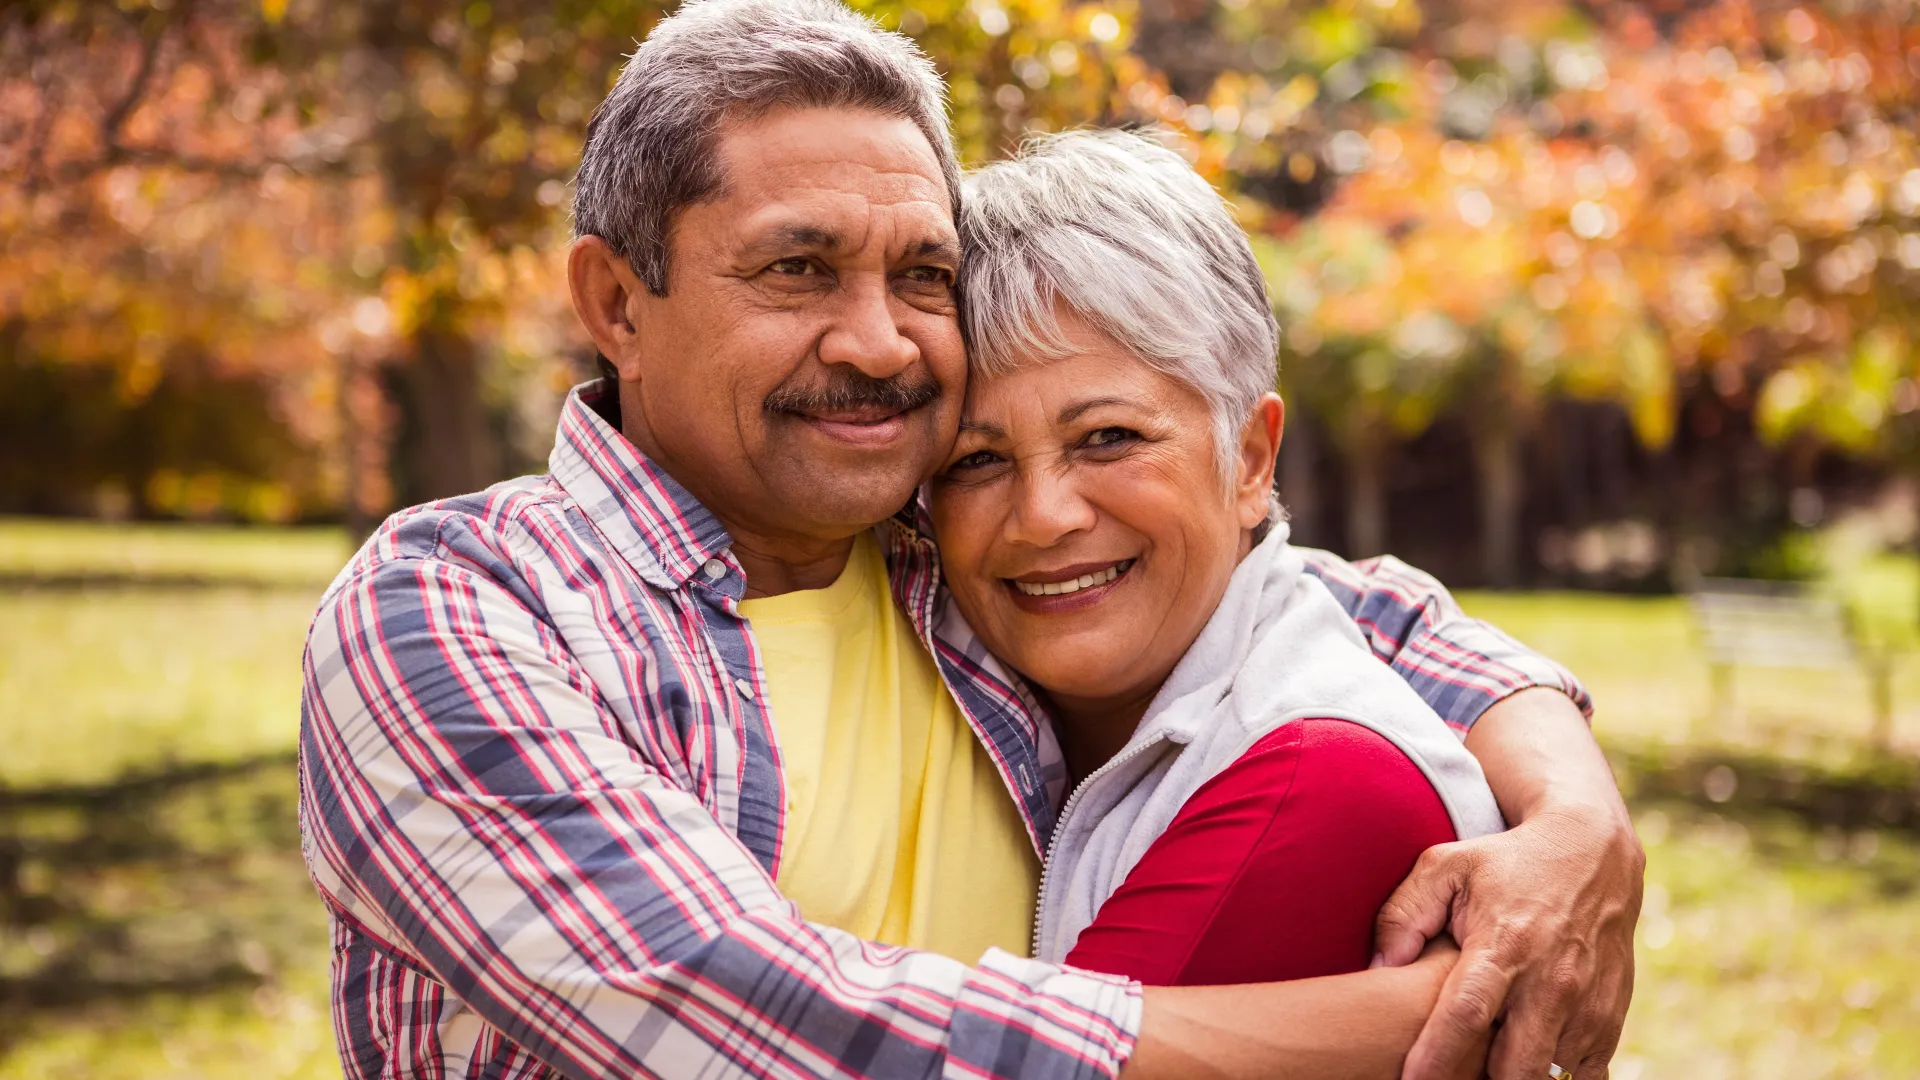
[
  {"x": 1074, "y": 411},
  {"x": 797, "y": 236},
  {"x": 940, "y": 248}
]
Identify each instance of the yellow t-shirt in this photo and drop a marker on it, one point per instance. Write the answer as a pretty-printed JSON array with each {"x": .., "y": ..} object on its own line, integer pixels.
[{"x": 899, "y": 829}]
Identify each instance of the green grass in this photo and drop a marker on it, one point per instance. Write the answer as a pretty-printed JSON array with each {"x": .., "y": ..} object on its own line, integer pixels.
[
  {"x": 1768, "y": 949},
  {"x": 277, "y": 1031},
  {"x": 298, "y": 556},
  {"x": 96, "y": 682},
  {"x": 1643, "y": 662},
  {"x": 151, "y": 645}
]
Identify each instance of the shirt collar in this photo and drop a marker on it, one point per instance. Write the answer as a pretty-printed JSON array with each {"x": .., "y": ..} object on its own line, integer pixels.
[{"x": 650, "y": 519}]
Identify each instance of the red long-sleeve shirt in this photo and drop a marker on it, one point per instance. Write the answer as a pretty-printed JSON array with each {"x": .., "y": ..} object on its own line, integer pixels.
[{"x": 1275, "y": 868}]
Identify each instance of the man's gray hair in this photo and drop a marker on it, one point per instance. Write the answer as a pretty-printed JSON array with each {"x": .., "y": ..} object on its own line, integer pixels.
[
  {"x": 1121, "y": 231},
  {"x": 652, "y": 145}
]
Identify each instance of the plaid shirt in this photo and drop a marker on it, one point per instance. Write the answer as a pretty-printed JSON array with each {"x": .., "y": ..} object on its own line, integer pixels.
[{"x": 543, "y": 801}]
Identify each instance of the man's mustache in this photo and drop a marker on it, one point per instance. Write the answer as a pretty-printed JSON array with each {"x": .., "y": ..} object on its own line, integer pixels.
[{"x": 895, "y": 393}]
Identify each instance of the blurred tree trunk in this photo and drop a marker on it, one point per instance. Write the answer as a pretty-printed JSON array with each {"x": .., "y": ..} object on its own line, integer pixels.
[
  {"x": 444, "y": 444},
  {"x": 1299, "y": 491},
  {"x": 1496, "y": 458},
  {"x": 1367, "y": 495}
]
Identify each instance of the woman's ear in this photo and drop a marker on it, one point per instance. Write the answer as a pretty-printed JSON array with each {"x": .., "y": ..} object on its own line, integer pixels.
[
  {"x": 605, "y": 290},
  {"x": 1259, "y": 448}
]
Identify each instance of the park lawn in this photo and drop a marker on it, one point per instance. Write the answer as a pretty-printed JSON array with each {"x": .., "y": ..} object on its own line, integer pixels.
[
  {"x": 1642, "y": 660},
  {"x": 136, "y": 647},
  {"x": 1768, "y": 949},
  {"x": 57, "y": 547},
  {"x": 101, "y": 681}
]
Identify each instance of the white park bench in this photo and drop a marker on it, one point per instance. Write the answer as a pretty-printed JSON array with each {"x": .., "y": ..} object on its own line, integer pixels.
[{"x": 1766, "y": 624}]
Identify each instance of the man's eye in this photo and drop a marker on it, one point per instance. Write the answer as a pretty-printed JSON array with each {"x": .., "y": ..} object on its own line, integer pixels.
[
  {"x": 1112, "y": 436},
  {"x": 795, "y": 266},
  {"x": 930, "y": 275}
]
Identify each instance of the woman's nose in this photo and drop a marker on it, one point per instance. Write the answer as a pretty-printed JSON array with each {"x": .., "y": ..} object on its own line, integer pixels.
[
  {"x": 866, "y": 335},
  {"x": 1048, "y": 508}
]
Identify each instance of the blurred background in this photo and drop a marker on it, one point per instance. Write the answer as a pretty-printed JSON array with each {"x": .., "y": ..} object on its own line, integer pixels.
[{"x": 1605, "y": 312}]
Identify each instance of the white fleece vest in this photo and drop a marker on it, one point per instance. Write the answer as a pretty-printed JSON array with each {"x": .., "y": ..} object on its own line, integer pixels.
[{"x": 1278, "y": 649}]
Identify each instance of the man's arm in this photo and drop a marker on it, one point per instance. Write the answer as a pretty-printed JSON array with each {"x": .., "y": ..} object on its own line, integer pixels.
[
  {"x": 1545, "y": 911},
  {"x": 1461, "y": 666},
  {"x": 467, "y": 801},
  {"x": 1338, "y": 1027}
]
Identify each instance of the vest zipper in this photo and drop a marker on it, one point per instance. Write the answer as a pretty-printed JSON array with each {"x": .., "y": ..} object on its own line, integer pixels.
[{"x": 1060, "y": 826}]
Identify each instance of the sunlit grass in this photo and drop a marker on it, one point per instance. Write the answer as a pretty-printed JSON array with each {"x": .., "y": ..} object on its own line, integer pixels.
[
  {"x": 96, "y": 682},
  {"x": 279, "y": 1031},
  {"x": 55, "y": 547},
  {"x": 1642, "y": 659},
  {"x": 1767, "y": 950}
]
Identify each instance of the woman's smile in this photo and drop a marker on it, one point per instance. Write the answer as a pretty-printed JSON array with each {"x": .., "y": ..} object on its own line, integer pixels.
[{"x": 1069, "y": 589}]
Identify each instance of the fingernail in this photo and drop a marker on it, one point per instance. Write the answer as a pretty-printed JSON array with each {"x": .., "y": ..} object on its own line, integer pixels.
[{"x": 1379, "y": 960}]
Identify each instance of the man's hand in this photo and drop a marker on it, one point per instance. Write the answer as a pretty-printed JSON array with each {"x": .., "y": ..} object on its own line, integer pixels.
[{"x": 1544, "y": 913}]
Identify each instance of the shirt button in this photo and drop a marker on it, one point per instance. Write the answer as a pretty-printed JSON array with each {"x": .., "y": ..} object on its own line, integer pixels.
[
  {"x": 715, "y": 569},
  {"x": 745, "y": 688}
]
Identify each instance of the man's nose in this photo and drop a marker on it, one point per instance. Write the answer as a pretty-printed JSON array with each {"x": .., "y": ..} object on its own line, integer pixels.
[
  {"x": 866, "y": 334},
  {"x": 1048, "y": 507}
]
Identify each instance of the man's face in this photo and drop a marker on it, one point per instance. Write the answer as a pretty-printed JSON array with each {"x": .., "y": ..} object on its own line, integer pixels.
[{"x": 804, "y": 372}]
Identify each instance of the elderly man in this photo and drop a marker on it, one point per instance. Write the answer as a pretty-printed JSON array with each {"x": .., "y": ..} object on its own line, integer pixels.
[{"x": 628, "y": 770}]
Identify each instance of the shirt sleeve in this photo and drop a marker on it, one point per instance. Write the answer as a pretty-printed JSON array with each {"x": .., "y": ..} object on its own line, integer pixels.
[
  {"x": 470, "y": 803},
  {"x": 1462, "y": 666},
  {"x": 1275, "y": 868}
]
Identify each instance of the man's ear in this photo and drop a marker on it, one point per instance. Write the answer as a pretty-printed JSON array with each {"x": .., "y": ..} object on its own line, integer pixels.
[
  {"x": 1259, "y": 448},
  {"x": 605, "y": 290}
]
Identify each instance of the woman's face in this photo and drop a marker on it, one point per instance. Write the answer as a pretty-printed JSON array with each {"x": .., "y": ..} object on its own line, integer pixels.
[{"x": 1084, "y": 527}]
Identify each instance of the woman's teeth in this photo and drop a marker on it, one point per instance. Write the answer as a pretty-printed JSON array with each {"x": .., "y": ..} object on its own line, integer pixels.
[{"x": 1084, "y": 581}]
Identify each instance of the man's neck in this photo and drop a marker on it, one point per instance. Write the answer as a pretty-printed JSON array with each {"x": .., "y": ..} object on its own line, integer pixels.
[{"x": 775, "y": 567}]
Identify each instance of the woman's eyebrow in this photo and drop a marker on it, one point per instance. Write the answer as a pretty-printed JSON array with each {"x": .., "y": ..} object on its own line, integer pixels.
[
  {"x": 1074, "y": 411},
  {"x": 991, "y": 431}
]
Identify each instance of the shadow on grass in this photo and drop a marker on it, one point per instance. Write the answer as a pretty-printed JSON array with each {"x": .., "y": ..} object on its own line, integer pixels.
[
  {"x": 1863, "y": 791},
  {"x": 185, "y": 880}
]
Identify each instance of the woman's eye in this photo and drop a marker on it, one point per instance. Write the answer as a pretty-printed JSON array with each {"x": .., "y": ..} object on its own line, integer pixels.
[
  {"x": 979, "y": 459},
  {"x": 1113, "y": 436},
  {"x": 795, "y": 266}
]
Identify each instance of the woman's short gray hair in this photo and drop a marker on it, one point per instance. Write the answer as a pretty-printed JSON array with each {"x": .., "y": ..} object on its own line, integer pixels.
[
  {"x": 651, "y": 147},
  {"x": 1121, "y": 231}
]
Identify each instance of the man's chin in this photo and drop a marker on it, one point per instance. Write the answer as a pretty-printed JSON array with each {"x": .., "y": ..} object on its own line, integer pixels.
[{"x": 850, "y": 494}]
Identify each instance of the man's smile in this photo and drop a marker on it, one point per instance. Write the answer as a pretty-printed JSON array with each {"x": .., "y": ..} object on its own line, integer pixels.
[{"x": 868, "y": 427}]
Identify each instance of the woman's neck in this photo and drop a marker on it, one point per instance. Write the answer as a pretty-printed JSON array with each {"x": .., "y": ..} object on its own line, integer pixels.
[{"x": 1092, "y": 730}]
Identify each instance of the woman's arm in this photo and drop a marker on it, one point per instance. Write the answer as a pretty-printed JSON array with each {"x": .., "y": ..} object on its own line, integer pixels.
[
  {"x": 1275, "y": 868},
  {"x": 1271, "y": 871}
]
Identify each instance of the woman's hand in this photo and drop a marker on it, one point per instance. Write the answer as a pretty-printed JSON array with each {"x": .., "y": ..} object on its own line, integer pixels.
[{"x": 1544, "y": 912}]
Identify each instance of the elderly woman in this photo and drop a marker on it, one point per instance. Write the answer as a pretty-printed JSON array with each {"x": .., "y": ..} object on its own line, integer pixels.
[{"x": 1250, "y": 783}]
